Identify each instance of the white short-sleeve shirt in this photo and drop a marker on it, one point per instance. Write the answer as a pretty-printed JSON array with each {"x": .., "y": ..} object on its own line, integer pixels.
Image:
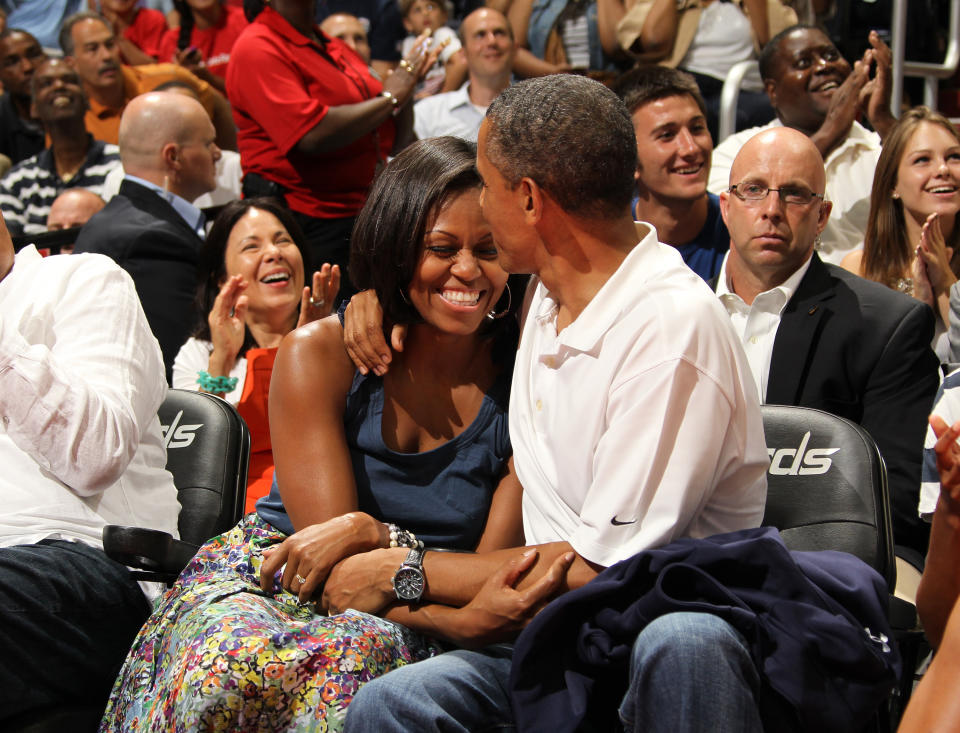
[{"x": 639, "y": 423}]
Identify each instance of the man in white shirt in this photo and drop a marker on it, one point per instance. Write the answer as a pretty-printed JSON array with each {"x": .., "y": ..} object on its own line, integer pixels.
[
  {"x": 813, "y": 89},
  {"x": 816, "y": 335},
  {"x": 632, "y": 419},
  {"x": 489, "y": 49},
  {"x": 80, "y": 444}
]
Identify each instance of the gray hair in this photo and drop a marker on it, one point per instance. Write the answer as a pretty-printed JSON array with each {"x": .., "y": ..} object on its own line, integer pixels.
[{"x": 66, "y": 30}]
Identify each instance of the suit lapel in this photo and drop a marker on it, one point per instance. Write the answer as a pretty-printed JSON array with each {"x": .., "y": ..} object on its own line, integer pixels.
[
  {"x": 797, "y": 333},
  {"x": 145, "y": 199}
]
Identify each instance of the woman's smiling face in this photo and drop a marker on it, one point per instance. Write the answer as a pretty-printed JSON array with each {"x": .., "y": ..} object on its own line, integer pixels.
[
  {"x": 261, "y": 250},
  {"x": 458, "y": 280},
  {"x": 928, "y": 177}
]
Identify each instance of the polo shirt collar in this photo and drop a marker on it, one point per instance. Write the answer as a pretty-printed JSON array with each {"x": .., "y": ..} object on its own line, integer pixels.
[
  {"x": 459, "y": 97},
  {"x": 130, "y": 90},
  {"x": 586, "y": 332}
]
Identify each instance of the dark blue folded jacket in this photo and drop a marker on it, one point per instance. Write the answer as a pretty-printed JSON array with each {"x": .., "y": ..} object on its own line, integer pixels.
[{"x": 815, "y": 623}]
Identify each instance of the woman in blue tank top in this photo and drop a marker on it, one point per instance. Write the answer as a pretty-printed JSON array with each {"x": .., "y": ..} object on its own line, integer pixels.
[{"x": 421, "y": 454}]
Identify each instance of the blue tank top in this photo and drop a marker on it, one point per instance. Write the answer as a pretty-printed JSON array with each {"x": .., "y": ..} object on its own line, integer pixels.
[{"x": 442, "y": 495}]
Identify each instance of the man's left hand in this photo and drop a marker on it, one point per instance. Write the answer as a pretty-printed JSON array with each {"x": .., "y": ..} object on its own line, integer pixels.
[{"x": 363, "y": 582}]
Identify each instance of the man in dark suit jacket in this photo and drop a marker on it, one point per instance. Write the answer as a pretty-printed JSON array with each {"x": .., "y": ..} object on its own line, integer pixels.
[
  {"x": 150, "y": 228},
  {"x": 816, "y": 335}
]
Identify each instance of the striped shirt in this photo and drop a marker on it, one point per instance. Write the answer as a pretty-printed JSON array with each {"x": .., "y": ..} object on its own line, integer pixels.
[{"x": 28, "y": 189}]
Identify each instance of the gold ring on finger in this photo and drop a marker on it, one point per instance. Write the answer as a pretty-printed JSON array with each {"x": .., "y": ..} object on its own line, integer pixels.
[{"x": 406, "y": 66}]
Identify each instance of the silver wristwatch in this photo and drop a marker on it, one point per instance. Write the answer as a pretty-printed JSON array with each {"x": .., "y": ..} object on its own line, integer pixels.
[{"x": 410, "y": 581}]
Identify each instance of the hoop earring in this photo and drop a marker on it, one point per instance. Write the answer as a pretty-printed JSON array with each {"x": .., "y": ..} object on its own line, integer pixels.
[
  {"x": 403, "y": 296},
  {"x": 493, "y": 315}
]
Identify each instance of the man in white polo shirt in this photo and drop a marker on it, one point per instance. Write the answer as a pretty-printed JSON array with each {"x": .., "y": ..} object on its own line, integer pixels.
[
  {"x": 633, "y": 419},
  {"x": 489, "y": 48}
]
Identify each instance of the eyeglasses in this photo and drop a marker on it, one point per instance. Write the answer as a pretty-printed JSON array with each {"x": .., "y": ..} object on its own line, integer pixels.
[{"x": 788, "y": 194}]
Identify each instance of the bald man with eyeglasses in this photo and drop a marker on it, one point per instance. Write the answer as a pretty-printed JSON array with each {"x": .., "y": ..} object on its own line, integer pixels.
[{"x": 814, "y": 334}]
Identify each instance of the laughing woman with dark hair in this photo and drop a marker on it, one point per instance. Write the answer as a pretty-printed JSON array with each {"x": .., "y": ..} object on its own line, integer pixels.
[
  {"x": 251, "y": 294},
  {"x": 421, "y": 455}
]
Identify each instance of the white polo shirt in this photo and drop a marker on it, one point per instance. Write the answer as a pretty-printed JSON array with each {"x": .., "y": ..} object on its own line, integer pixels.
[
  {"x": 639, "y": 423},
  {"x": 451, "y": 113},
  {"x": 849, "y": 167}
]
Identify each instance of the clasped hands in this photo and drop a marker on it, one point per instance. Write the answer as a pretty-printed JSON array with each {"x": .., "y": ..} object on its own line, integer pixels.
[{"x": 320, "y": 556}]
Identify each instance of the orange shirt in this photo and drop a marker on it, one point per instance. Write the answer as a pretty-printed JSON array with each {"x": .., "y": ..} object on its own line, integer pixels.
[
  {"x": 104, "y": 122},
  {"x": 253, "y": 409}
]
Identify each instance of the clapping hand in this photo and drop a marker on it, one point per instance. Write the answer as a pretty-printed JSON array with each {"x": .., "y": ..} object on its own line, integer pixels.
[
  {"x": 936, "y": 255},
  {"x": 948, "y": 466},
  {"x": 227, "y": 324},
  {"x": 875, "y": 95},
  {"x": 318, "y": 299}
]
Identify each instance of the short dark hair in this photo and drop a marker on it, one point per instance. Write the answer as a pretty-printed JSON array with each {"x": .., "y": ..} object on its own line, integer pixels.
[
  {"x": 768, "y": 56},
  {"x": 571, "y": 135},
  {"x": 66, "y": 30},
  {"x": 212, "y": 269},
  {"x": 388, "y": 237},
  {"x": 9, "y": 31},
  {"x": 643, "y": 85}
]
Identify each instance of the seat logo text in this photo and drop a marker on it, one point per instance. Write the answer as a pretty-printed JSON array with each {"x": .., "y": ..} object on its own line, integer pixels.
[
  {"x": 177, "y": 435},
  {"x": 800, "y": 461}
]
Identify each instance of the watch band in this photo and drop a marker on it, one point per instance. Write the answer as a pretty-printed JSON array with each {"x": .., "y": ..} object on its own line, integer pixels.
[{"x": 415, "y": 557}]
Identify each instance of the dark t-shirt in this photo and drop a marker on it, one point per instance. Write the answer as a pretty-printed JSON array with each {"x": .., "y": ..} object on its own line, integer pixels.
[
  {"x": 19, "y": 140},
  {"x": 704, "y": 253}
]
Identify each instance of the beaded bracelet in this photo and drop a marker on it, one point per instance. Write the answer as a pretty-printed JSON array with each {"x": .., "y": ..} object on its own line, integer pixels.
[
  {"x": 216, "y": 385},
  {"x": 403, "y": 538}
]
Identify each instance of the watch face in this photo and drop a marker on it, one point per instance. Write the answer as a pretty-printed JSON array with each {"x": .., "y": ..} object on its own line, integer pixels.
[{"x": 408, "y": 583}]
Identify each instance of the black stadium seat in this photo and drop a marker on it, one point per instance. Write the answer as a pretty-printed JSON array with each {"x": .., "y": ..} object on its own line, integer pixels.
[
  {"x": 208, "y": 449},
  {"x": 827, "y": 490}
]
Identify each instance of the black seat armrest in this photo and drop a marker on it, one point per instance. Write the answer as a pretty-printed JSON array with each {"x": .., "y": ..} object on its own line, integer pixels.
[
  {"x": 902, "y": 615},
  {"x": 148, "y": 549}
]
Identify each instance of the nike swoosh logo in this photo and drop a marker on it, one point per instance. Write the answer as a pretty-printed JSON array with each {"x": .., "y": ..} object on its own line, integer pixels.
[{"x": 616, "y": 522}]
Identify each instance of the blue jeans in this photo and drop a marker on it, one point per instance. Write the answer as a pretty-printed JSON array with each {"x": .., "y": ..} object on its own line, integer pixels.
[{"x": 688, "y": 672}]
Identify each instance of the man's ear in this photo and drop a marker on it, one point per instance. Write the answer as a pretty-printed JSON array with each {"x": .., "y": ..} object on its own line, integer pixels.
[
  {"x": 724, "y": 205},
  {"x": 531, "y": 200},
  {"x": 770, "y": 87},
  {"x": 171, "y": 155},
  {"x": 825, "y": 208}
]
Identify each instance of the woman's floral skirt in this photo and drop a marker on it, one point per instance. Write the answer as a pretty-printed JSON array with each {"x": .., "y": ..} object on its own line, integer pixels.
[{"x": 219, "y": 654}]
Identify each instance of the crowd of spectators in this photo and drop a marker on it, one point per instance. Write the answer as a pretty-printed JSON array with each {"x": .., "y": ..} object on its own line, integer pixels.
[{"x": 341, "y": 217}]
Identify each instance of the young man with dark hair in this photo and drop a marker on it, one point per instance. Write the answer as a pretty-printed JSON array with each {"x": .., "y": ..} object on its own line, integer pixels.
[{"x": 673, "y": 149}]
